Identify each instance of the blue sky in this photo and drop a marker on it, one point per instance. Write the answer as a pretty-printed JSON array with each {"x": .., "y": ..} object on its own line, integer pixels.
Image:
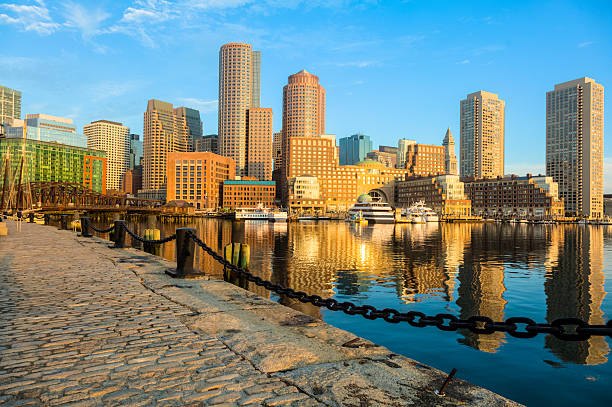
[{"x": 392, "y": 69}]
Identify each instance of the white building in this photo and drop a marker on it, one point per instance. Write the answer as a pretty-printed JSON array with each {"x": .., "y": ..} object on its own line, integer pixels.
[{"x": 114, "y": 139}]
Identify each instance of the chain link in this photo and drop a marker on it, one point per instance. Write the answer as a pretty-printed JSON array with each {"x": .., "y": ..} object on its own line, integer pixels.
[
  {"x": 140, "y": 239},
  {"x": 95, "y": 229}
]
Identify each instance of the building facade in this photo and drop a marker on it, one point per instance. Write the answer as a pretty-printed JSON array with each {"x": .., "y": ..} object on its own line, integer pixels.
[
  {"x": 425, "y": 160},
  {"x": 248, "y": 193},
  {"x": 131, "y": 182},
  {"x": 259, "y": 143},
  {"x": 194, "y": 124},
  {"x": 114, "y": 139},
  {"x": 574, "y": 145},
  {"x": 135, "y": 151},
  {"x": 197, "y": 178},
  {"x": 209, "y": 143},
  {"x": 10, "y": 105},
  {"x": 450, "y": 159},
  {"x": 43, "y": 127},
  {"x": 277, "y": 150},
  {"x": 354, "y": 149},
  {"x": 482, "y": 121},
  {"x": 54, "y": 162},
  {"x": 239, "y": 84},
  {"x": 443, "y": 193},
  {"x": 387, "y": 159},
  {"x": 402, "y": 150},
  {"x": 515, "y": 197},
  {"x": 164, "y": 132}
]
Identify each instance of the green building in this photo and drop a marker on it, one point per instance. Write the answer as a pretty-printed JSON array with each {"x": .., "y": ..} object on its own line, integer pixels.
[{"x": 56, "y": 162}]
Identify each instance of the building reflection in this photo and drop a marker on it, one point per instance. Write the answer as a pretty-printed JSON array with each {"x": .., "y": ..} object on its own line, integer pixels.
[{"x": 574, "y": 287}]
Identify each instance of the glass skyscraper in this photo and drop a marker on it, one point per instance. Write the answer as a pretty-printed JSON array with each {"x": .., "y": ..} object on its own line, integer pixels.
[
  {"x": 44, "y": 127},
  {"x": 353, "y": 149}
]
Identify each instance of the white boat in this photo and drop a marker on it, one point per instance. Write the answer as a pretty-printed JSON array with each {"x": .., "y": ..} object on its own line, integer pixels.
[
  {"x": 371, "y": 210},
  {"x": 419, "y": 213},
  {"x": 262, "y": 214}
]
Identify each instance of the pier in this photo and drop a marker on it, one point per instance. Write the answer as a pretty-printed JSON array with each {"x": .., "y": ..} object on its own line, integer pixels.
[{"x": 84, "y": 324}]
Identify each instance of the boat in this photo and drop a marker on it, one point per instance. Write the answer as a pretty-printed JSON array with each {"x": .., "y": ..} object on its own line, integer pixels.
[
  {"x": 373, "y": 211},
  {"x": 261, "y": 214},
  {"x": 306, "y": 217},
  {"x": 419, "y": 213},
  {"x": 358, "y": 218}
]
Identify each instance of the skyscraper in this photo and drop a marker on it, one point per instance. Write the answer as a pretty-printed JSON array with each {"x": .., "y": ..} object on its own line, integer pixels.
[
  {"x": 239, "y": 85},
  {"x": 135, "y": 151},
  {"x": 10, "y": 104},
  {"x": 402, "y": 151},
  {"x": 259, "y": 142},
  {"x": 482, "y": 135},
  {"x": 194, "y": 124},
  {"x": 574, "y": 144},
  {"x": 114, "y": 139},
  {"x": 164, "y": 132},
  {"x": 43, "y": 127},
  {"x": 354, "y": 149},
  {"x": 450, "y": 159}
]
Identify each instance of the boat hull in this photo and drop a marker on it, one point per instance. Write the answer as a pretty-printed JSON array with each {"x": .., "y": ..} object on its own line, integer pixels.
[{"x": 383, "y": 221}]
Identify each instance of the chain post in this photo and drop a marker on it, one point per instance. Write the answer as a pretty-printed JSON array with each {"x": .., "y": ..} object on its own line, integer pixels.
[
  {"x": 185, "y": 251},
  {"x": 64, "y": 222},
  {"x": 119, "y": 234},
  {"x": 85, "y": 226}
]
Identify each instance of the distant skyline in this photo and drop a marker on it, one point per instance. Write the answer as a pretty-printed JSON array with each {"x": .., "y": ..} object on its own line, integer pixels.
[{"x": 391, "y": 69}]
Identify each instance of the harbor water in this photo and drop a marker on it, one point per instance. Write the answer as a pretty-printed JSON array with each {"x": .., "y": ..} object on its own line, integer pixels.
[{"x": 538, "y": 271}]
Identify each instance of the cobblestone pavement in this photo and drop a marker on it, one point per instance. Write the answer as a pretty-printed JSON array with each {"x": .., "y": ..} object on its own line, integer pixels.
[{"x": 75, "y": 330}]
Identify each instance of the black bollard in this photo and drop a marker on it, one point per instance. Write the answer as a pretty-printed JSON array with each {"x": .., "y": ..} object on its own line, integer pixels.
[
  {"x": 64, "y": 222},
  {"x": 119, "y": 234},
  {"x": 31, "y": 217},
  {"x": 185, "y": 251},
  {"x": 85, "y": 226},
  {"x": 47, "y": 219}
]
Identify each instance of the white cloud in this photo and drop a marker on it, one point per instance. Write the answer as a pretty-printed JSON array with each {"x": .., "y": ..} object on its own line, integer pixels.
[
  {"x": 585, "y": 44},
  {"x": 359, "y": 64},
  {"x": 525, "y": 168},
  {"x": 465, "y": 61},
  {"x": 84, "y": 19},
  {"x": 30, "y": 17},
  {"x": 204, "y": 106}
]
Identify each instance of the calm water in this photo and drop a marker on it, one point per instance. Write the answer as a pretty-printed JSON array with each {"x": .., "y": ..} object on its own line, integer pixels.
[{"x": 540, "y": 271}]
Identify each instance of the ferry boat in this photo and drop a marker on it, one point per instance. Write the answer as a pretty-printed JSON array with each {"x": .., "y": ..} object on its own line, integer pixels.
[
  {"x": 419, "y": 213},
  {"x": 261, "y": 213},
  {"x": 372, "y": 211}
]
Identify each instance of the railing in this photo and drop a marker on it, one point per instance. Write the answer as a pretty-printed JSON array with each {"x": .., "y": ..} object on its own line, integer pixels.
[{"x": 518, "y": 327}]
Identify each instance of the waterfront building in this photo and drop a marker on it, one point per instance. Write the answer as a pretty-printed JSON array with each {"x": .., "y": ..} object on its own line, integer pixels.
[
  {"x": 515, "y": 197},
  {"x": 114, "y": 139},
  {"x": 259, "y": 143},
  {"x": 209, "y": 143},
  {"x": 10, "y": 105},
  {"x": 131, "y": 182},
  {"x": 44, "y": 127},
  {"x": 388, "y": 159},
  {"x": 197, "y": 177},
  {"x": 482, "y": 121},
  {"x": 277, "y": 150},
  {"x": 55, "y": 162},
  {"x": 164, "y": 132},
  {"x": 607, "y": 200},
  {"x": 135, "y": 151},
  {"x": 354, "y": 149},
  {"x": 304, "y": 187},
  {"x": 424, "y": 159},
  {"x": 443, "y": 193},
  {"x": 239, "y": 85},
  {"x": 194, "y": 124},
  {"x": 574, "y": 144},
  {"x": 450, "y": 159},
  {"x": 402, "y": 151},
  {"x": 248, "y": 193}
]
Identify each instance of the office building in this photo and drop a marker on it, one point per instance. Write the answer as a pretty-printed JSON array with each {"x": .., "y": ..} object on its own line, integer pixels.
[
  {"x": 277, "y": 150},
  {"x": 387, "y": 159},
  {"x": 198, "y": 177},
  {"x": 259, "y": 143},
  {"x": 450, "y": 159},
  {"x": 114, "y": 139},
  {"x": 515, "y": 197},
  {"x": 354, "y": 149},
  {"x": 10, "y": 105},
  {"x": 208, "y": 143},
  {"x": 482, "y": 121},
  {"x": 248, "y": 193},
  {"x": 135, "y": 151},
  {"x": 574, "y": 145},
  {"x": 43, "y": 127},
  {"x": 194, "y": 124},
  {"x": 54, "y": 162},
  {"x": 443, "y": 193},
  {"x": 164, "y": 132},
  {"x": 239, "y": 84},
  {"x": 131, "y": 182},
  {"x": 424, "y": 159},
  {"x": 402, "y": 151}
]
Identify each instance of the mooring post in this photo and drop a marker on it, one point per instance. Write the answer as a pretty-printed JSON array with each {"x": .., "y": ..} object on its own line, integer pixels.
[
  {"x": 185, "y": 251},
  {"x": 119, "y": 234},
  {"x": 31, "y": 217},
  {"x": 47, "y": 218},
  {"x": 85, "y": 226},
  {"x": 64, "y": 222}
]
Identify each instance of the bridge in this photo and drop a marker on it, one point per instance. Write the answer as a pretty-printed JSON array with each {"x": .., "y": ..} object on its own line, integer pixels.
[{"x": 57, "y": 196}]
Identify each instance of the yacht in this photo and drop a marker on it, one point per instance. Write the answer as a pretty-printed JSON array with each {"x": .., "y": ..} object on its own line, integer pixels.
[
  {"x": 419, "y": 213},
  {"x": 261, "y": 213},
  {"x": 371, "y": 210}
]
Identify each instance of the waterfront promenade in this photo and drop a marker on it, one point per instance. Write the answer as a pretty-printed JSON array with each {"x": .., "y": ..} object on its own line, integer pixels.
[{"x": 84, "y": 324}]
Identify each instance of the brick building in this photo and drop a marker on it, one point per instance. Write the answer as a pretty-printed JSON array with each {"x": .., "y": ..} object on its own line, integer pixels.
[
  {"x": 444, "y": 194},
  {"x": 248, "y": 193}
]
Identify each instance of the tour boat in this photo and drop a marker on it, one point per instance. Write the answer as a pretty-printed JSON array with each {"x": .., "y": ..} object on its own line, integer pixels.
[
  {"x": 261, "y": 213},
  {"x": 372, "y": 211},
  {"x": 419, "y": 213}
]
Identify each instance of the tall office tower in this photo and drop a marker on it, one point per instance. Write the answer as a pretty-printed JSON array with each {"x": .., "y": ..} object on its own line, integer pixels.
[
  {"x": 259, "y": 142},
  {"x": 194, "y": 124},
  {"x": 574, "y": 144},
  {"x": 239, "y": 72},
  {"x": 114, "y": 139},
  {"x": 208, "y": 143},
  {"x": 354, "y": 149},
  {"x": 277, "y": 149},
  {"x": 10, "y": 104},
  {"x": 482, "y": 135},
  {"x": 403, "y": 145},
  {"x": 450, "y": 159},
  {"x": 164, "y": 132},
  {"x": 135, "y": 151}
]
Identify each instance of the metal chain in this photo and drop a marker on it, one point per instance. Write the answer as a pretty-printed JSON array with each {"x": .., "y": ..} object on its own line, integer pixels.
[
  {"x": 95, "y": 229},
  {"x": 560, "y": 328},
  {"x": 140, "y": 239}
]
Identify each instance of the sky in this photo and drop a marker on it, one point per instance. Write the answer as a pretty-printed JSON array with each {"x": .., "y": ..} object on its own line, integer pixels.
[{"x": 391, "y": 69}]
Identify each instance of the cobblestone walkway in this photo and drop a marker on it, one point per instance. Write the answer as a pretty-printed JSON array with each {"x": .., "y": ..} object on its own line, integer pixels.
[{"x": 76, "y": 329}]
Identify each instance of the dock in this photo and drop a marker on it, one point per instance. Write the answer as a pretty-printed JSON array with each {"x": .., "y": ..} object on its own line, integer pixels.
[{"x": 83, "y": 324}]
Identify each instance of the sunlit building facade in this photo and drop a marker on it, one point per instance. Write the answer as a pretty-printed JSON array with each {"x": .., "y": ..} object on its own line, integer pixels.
[
  {"x": 424, "y": 160},
  {"x": 10, "y": 105},
  {"x": 44, "y": 127},
  {"x": 354, "y": 149},
  {"x": 259, "y": 143},
  {"x": 193, "y": 121},
  {"x": 248, "y": 193},
  {"x": 114, "y": 139},
  {"x": 450, "y": 159},
  {"x": 444, "y": 194}
]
